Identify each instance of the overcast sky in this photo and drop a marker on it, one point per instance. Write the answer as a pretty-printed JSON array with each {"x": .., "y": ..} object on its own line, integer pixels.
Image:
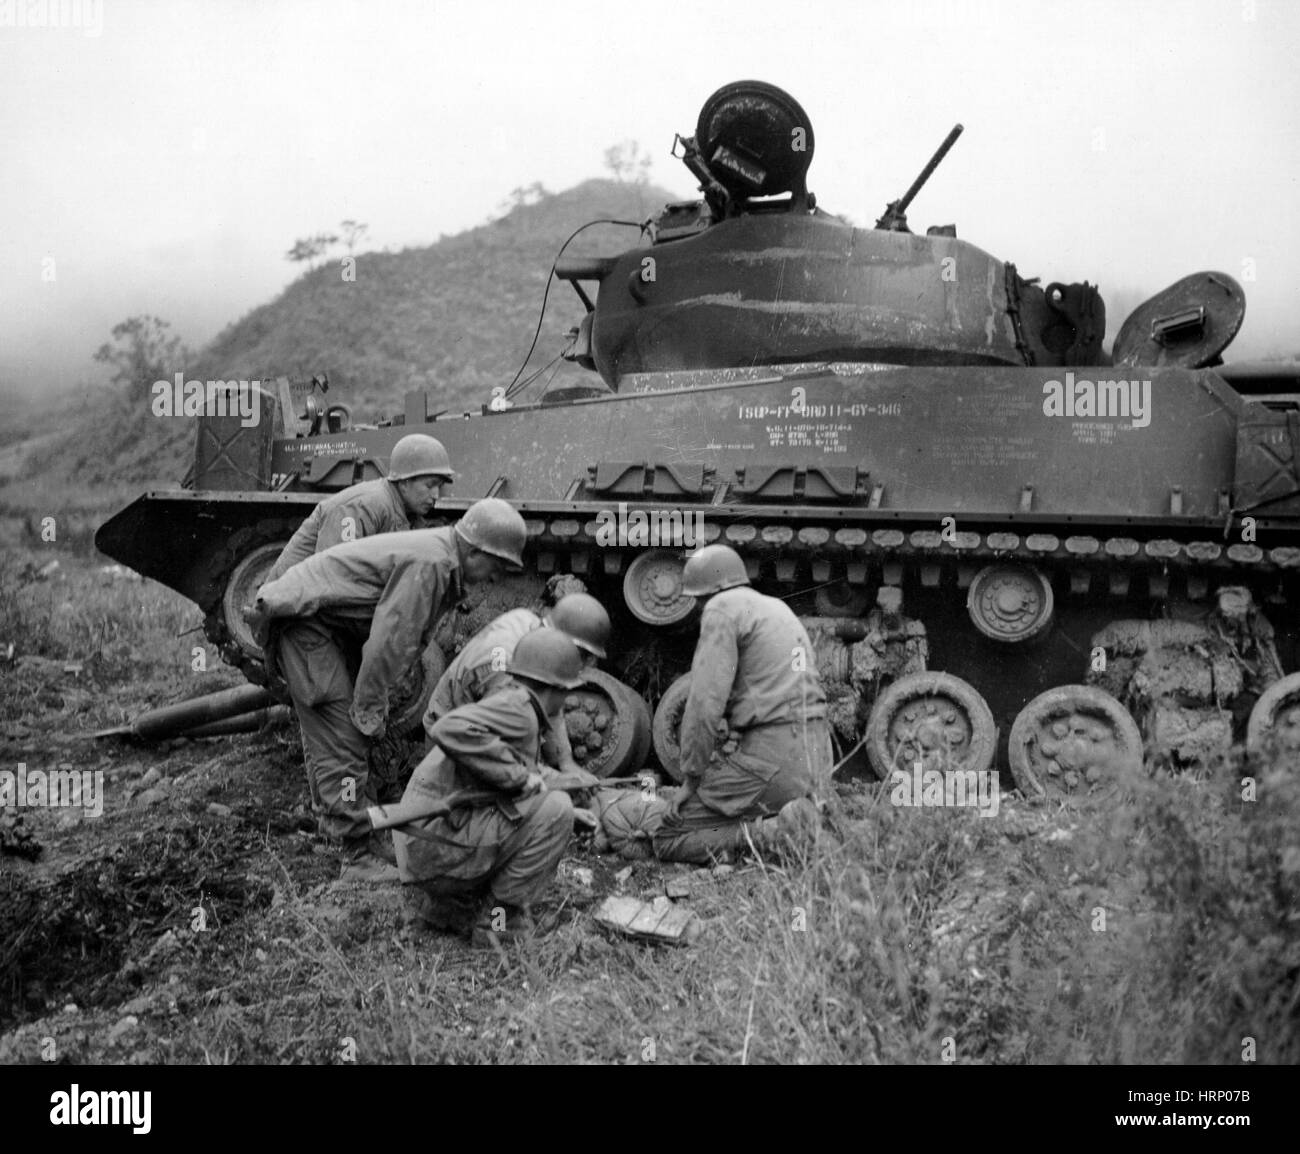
[{"x": 165, "y": 155}]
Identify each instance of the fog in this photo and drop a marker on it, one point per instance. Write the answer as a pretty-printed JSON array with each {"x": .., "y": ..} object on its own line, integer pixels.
[{"x": 162, "y": 157}]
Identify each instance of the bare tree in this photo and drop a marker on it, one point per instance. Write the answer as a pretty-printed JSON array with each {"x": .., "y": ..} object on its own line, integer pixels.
[
  {"x": 627, "y": 161},
  {"x": 353, "y": 232},
  {"x": 309, "y": 248}
]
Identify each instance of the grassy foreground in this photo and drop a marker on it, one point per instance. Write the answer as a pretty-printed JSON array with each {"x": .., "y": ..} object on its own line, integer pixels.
[{"x": 1155, "y": 925}]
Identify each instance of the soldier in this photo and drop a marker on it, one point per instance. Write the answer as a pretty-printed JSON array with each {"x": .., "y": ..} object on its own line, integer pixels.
[
  {"x": 354, "y": 619},
  {"x": 753, "y": 677},
  {"x": 417, "y": 470},
  {"x": 480, "y": 668},
  {"x": 495, "y": 858}
]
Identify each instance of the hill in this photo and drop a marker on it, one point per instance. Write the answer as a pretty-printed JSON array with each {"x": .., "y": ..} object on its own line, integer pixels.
[{"x": 455, "y": 318}]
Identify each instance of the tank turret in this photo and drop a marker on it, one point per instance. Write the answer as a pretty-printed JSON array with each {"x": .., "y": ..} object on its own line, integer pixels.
[{"x": 756, "y": 273}]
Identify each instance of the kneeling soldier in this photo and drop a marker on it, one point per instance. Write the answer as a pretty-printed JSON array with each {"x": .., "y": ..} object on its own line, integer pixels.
[
  {"x": 480, "y": 668},
  {"x": 357, "y": 616},
  {"x": 754, "y": 676},
  {"x": 498, "y": 856}
]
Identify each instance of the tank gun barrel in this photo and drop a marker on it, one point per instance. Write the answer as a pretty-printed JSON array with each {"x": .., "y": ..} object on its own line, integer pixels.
[{"x": 895, "y": 218}]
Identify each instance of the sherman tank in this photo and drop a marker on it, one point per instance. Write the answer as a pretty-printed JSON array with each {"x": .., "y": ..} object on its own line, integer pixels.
[{"x": 1013, "y": 548}]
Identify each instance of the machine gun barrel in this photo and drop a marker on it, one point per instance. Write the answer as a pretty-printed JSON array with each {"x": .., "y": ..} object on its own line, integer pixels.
[{"x": 895, "y": 217}]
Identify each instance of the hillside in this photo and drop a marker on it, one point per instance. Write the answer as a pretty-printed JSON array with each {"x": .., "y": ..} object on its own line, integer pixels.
[{"x": 455, "y": 317}]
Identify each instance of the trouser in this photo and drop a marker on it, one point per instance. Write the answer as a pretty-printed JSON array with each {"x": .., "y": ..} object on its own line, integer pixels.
[
  {"x": 773, "y": 765},
  {"x": 481, "y": 851},
  {"x": 319, "y": 663}
]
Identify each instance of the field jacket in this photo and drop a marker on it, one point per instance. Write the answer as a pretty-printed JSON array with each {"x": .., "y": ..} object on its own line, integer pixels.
[
  {"x": 754, "y": 666},
  {"x": 491, "y": 745},
  {"x": 373, "y": 506},
  {"x": 400, "y": 583}
]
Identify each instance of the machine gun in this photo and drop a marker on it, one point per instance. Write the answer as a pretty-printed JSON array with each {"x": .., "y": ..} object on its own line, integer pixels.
[{"x": 895, "y": 218}]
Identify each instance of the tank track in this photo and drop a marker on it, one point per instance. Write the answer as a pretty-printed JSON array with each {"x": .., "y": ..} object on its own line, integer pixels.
[{"x": 847, "y": 552}]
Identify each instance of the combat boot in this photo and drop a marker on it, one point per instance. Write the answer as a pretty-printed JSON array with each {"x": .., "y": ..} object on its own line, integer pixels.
[
  {"x": 445, "y": 913},
  {"x": 362, "y": 864},
  {"x": 793, "y": 830}
]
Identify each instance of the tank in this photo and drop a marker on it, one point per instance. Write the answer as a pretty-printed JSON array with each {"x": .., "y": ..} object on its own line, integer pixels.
[{"x": 1013, "y": 548}]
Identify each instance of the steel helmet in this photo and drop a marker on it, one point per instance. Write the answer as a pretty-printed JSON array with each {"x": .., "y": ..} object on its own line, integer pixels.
[
  {"x": 584, "y": 619},
  {"x": 418, "y": 455},
  {"x": 494, "y": 526},
  {"x": 712, "y": 569},
  {"x": 548, "y": 656}
]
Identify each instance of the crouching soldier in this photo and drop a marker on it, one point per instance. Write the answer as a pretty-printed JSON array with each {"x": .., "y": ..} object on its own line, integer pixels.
[
  {"x": 493, "y": 859},
  {"x": 345, "y": 627},
  {"x": 480, "y": 668},
  {"x": 754, "y": 739},
  {"x": 417, "y": 470}
]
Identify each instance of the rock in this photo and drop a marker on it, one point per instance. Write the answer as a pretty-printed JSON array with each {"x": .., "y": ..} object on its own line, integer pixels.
[
  {"x": 1059, "y": 835},
  {"x": 150, "y": 797},
  {"x": 71, "y": 1008},
  {"x": 218, "y": 810},
  {"x": 679, "y": 887},
  {"x": 1030, "y": 904},
  {"x": 620, "y": 878},
  {"x": 583, "y": 876},
  {"x": 152, "y": 778},
  {"x": 123, "y": 1027},
  {"x": 722, "y": 870}
]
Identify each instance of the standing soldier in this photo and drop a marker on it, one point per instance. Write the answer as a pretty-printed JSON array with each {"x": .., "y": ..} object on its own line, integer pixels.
[
  {"x": 417, "y": 470},
  {"x": 351, "y": 622},
  {"x": 494, "y": 858},
  {"x": 480, "y": 668},
  {"x": 753, "y": 676}
]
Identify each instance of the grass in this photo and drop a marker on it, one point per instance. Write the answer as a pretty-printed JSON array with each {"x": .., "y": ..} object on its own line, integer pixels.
[{"x": 904, "y": 935}]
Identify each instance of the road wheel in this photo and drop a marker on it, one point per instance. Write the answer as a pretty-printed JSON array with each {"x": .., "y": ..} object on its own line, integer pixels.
[
  {"x": 934, "y": 718},
  {"x": 608, "y": 725},
  {"x": 668, "y": 726},
  {"x": 1072, "y": 739},
  {"x": 1275, "y": 720},
  {"x": 232, "y": 573}
]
